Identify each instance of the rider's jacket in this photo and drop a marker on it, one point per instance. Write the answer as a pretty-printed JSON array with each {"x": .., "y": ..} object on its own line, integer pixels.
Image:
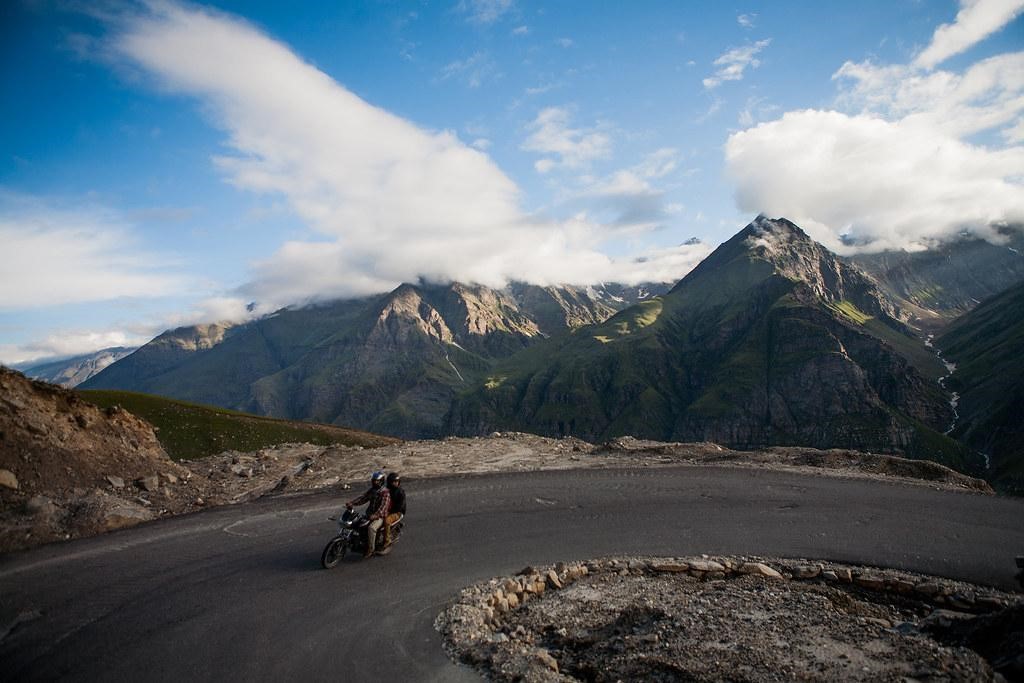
[{"x": 379, "y": 500}]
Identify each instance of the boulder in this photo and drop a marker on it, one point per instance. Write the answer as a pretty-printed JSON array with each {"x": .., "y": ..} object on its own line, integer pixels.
[
  {"x": 8, "y": 480},
  {"x": 670, "y": 567},
  {"x": 116, "y": 482},
  {"x": 125, "y": 515},
  {"x": 553, "y": 579}
]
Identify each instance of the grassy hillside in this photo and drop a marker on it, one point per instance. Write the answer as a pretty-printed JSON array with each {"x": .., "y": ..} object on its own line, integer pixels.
[{"x": 188, "y": 431}]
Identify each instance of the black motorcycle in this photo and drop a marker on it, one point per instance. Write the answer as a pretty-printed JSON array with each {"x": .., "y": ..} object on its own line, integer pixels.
[{"x": 352, "y": 528}]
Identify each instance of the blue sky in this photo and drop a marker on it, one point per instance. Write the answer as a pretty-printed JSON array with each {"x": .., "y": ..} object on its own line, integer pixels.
[{"x": 167, "y": 163}]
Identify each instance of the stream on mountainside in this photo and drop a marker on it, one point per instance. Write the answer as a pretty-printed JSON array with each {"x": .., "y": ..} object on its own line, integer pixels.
[{"x": 954, "y": 398}]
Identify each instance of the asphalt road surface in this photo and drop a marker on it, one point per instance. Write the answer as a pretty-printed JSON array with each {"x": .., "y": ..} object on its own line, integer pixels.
[{"x": 238, "y": 593}]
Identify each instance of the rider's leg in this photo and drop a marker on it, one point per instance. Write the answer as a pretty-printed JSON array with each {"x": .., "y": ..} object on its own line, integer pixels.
[{"x": 371, "y": 536}]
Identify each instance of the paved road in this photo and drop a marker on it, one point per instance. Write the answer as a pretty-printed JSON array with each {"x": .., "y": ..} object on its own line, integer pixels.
[{"x": 238, "y": 593}]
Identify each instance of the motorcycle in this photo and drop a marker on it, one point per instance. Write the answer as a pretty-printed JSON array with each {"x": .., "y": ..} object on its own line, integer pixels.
[{"x": 352, "y": 536}]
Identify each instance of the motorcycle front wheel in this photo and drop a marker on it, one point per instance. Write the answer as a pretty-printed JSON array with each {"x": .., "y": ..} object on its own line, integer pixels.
[{"x": 333, "y": 553}]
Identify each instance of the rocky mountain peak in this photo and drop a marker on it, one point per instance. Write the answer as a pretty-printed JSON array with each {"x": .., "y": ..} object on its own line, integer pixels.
[
  {"x": 406, "y": 315},
  {"x": 195, "y": 337}
]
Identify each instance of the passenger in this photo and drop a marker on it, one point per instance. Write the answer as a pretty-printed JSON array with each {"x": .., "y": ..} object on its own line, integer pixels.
[{"x": 397, "y": 504}]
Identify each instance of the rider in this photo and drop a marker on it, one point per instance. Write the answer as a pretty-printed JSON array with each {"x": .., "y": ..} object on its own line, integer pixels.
[
  {"x": 397, "y": 504},
  {"x": 379, "y": 499}
]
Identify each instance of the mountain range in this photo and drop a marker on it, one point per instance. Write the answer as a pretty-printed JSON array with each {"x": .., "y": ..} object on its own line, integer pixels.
[
  {"x": 771, "y": 340},
  {"x": 392, "y": 363}
]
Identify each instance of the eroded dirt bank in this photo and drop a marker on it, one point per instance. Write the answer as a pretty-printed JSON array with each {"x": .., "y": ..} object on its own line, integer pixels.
[{"x": 736, "y": 619}]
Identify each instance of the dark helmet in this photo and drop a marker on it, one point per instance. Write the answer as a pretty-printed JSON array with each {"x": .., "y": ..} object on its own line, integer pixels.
[
  {"x": 393, "y": 478},
  {"x": 377, "y": 479}
]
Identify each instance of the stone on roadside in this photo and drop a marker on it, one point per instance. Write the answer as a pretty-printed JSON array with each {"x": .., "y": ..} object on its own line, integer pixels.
[
  {"x": 115, "y": 482},
  {"x": 150, "y": 483},
  {"x": 553, "y": 580},
  {"x": 706, "y": 566},
  {"x": 513, "y": 601},
  {"x": 545, "y": 658},
  {"x": 870, "y": 582},
  {"x": 670, "y": 567},
  {"x": 8, "y": 480},
  {"x": 830, "y": 575},
  {"x": 806, "y": 571},
  {"x": 171, "y": 478},
  {"x": 759, "y": 569}
]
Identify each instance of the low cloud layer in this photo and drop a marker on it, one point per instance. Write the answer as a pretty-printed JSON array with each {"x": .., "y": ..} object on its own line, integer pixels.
[
  {"x": 63, "y": 256},
  {"x": 391, "y": 201},
  {"x": 900, "y": 165}
]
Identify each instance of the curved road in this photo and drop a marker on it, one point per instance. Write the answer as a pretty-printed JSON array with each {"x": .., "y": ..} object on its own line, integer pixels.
[{"x": 238, "y": 594}]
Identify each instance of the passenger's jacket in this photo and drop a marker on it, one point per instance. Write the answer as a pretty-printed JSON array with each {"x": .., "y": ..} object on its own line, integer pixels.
[{"x": 397, "y": 499}]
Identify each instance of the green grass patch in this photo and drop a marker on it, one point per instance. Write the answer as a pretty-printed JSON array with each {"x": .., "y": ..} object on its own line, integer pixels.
[
  {"x": 188, "y": 430},
  {"x": 849, "y": 310}
]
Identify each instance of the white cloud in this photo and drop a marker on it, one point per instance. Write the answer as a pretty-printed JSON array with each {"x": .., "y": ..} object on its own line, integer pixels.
[
  {"x": 484, "y": 11},
  {"x": 474, "y": 70},
  {"x": 976, "y": 20},
  {"x": 550, "y": 134},
  {"x": 521, "y": 30},
  {"x": 565, "y": 42},
  {"x": 747, "y": 20},
  {"x": 880, "y": 183},
  {"x": 55, "y": 256},
  {"x": 482, "y": 144},
  {"x": 902, "y": 166},
  {"x": 733, "y": 64},
  {"x": 390, "y": 201}
]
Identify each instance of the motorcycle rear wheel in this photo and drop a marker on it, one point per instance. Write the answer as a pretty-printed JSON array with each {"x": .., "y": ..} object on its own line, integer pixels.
[{"x": 333, "y": 553}]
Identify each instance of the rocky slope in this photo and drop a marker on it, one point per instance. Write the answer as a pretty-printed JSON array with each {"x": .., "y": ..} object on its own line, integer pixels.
[
  {"x": 771, "y": 340},
  {"x": 68, "y": 468},
  {"x": 987, "y": 346},
  {"x": 390, "y": 364}
]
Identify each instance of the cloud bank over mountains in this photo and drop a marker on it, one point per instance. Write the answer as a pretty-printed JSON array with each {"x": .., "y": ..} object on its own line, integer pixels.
[
  {"x": 388, "y": 200},
  {"x": 901, "y": 166}
]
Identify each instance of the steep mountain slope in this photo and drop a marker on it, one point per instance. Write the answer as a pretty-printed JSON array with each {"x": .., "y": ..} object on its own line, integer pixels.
[
  {"x": 937, "y": 285},
  {"x": 390, "y": 363},
  {"x": 987, "y": 346},
  {"x": 70, "y": 372},
  {"x": 771, "y": 340}
]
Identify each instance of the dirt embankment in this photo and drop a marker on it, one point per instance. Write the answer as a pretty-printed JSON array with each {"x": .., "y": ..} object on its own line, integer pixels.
[{"x": 70, "y": 469}]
